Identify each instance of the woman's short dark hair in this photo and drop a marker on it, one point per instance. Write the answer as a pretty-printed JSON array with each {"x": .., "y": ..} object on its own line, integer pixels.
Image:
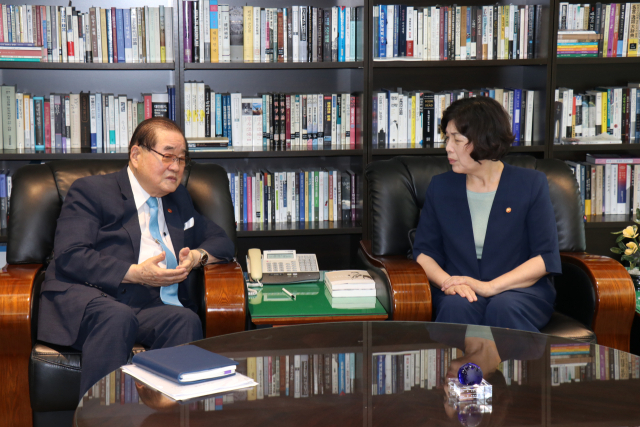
[
  {"x": 145, "y": 134},
  {"x": 485, "y": 123}
]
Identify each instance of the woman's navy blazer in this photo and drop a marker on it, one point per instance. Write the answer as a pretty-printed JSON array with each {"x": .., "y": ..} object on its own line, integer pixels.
[{"x": 521, "y": 226}]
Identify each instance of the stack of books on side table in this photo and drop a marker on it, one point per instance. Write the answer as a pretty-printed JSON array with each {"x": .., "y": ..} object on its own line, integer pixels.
[
  {"x": 186, "y": 372},
  {"x": 350, "y": 289}
]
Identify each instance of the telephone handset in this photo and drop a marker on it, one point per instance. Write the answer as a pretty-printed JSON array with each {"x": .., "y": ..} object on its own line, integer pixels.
[{"x": 282, "y": 266}]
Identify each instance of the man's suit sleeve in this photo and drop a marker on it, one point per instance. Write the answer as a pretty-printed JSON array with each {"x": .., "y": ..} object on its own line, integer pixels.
[
  {"x": 212, "y": 238},
  {"x": 74, "y": 248}
]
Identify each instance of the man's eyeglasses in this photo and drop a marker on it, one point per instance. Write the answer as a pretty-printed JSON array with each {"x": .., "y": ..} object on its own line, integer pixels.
[{"x": 168, "y": 159}]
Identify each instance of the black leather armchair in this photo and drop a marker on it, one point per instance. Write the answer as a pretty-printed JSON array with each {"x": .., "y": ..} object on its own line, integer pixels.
[
  {"x": 40, "y": 382},
  {"x": 595, "y": 296}
]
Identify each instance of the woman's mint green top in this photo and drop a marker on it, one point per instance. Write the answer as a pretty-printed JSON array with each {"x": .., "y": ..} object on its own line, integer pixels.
[{"x": 480, "y": 208}]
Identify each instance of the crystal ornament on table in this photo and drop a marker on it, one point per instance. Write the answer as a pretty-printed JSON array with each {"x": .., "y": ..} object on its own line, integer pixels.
[{"x": 470, "y": 385}]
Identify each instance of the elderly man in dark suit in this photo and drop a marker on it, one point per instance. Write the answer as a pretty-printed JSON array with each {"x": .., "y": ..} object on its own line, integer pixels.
[{"x": 122, "y": 250}]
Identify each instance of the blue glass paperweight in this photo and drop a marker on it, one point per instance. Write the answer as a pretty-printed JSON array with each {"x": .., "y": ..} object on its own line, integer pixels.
[
  {"x": 470, "y": 374},
  {"x": 480, "y": 392}
]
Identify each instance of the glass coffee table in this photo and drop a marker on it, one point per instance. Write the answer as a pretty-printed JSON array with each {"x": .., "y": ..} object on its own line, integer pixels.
[{"x": 389, "y": 373}]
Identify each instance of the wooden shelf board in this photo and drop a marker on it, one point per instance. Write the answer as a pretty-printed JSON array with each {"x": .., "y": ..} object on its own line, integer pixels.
[
  {"x": 617, "y": 222},
  {"x": 595, "y": 147},
  {"x": 274, "y": 154},
  {"x": 84, "y": 66},
  {"x": 298, "y": 229},
  {"x": 441, "y": 151},
  {"x": 596, "y": 61},
  {"x": 448, "y": 64},
  {"x": 273, "y": 65}
]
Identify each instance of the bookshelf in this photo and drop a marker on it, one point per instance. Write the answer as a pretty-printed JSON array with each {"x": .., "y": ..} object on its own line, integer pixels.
[{"x": 335, "y": 243}]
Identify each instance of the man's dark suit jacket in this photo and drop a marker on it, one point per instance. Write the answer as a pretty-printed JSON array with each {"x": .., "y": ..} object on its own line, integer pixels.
[{"x": 98, "y": 239}]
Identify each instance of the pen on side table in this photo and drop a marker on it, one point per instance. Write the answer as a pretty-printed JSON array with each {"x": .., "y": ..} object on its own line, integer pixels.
[{"x": 289, "y": 293}]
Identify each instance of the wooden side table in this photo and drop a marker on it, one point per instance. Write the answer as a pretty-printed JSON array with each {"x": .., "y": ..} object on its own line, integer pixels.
[{"x": 272, "y": 306}]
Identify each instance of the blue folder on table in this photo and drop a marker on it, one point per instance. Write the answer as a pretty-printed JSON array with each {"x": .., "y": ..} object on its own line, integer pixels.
[{"x": 186, "y": 364}]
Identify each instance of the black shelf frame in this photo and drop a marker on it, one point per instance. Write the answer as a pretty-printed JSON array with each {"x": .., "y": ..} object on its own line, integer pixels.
[{"x": 86, "y": 66}]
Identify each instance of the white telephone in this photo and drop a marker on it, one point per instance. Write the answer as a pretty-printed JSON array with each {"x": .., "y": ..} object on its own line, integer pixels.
[{"x": 282, "y": 266}]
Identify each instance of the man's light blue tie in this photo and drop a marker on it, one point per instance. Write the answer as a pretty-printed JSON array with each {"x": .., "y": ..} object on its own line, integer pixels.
[{"x": 168, "y": 294}]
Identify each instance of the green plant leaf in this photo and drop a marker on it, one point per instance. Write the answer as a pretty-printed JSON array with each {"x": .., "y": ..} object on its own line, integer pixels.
[
  {"x": 616, "y": 250},
  {"x": 622, "y": 246},
  {"x": 617, "y": 232},
  {"x": 629, "y": 258},
  {"x": 620, "y": 238}
]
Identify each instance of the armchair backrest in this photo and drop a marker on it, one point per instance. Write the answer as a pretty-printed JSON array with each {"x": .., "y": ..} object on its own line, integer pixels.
[
  {"x": 397, "y": 188},
  {"x": 39, "y": 191}
]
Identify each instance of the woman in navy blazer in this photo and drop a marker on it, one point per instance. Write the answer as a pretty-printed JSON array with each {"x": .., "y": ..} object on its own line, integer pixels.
[{"x": 488, "y": 263}]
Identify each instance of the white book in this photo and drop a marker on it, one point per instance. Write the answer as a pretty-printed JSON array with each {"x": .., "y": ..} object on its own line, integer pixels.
[
  {"x": 200, "y": 109},
  {"x": 194, "y": 110},
  {"x": 320, "y": 120},
  {"x": 92, "y": 114},
  {"x": 528, "y": 137},
  {"x": 212, "y": 110},
  {"x": 70, "y": 40},
  {"x": 335, "y": 138},
  {"x": 98, "y": 35},
  {"x": 187, "y": 110},
  {"x": 130, "y": 126},
  {"x": 5, "y": 28},
  {"x": 30, "y": 22},
  {"x": 147, "y": 32},
  {"x": 404, "y": 109},
  {"x": 295, "y": 30},
  {"x": 236, "y": 118},
  {"x": 349, "y": 279},
  {"x": 78, "y": 58},
  {"x": 20, "y": 120},
  {"x": 156, "y": 37},
  {"x": 256, "y": 33},
  {"x": 256, "y": 113},
  {"x": 99, "y": 127},
  {"x": 334, "y": 31},
  {"x": 394, "y": 112},
  {"x": 347, "y": 38},
  {"x": 419, "y": 20},
  {"x": 113, "y": 120},
  {"x": 247, "y": 123},
  {"x": 168, "y": 40},
  {"x": 302, "y": 45},
  {"x": 382, "y": 120},
  {"x": 123, "y": 124},
  {"x": 154, "y": 32},
  {"x": 200, "y": 6},
  {"x": 634, "y": 107},
  {"x": 223, "y": 24},
  {"x": 74, "y": 101},
  {"x": 418, "y": 117}
]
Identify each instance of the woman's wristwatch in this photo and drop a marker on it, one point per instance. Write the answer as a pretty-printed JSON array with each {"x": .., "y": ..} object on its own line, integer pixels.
[{"x": 204, "y": 257}]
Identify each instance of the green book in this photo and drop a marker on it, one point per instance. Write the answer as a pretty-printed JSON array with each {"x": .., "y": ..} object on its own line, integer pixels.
[
  {"x": 140, "y": 117},
  {"x": 19, "y": 59}
]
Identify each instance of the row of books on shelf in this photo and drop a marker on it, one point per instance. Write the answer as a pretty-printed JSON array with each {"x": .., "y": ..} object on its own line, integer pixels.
[
  {"x": 446, "y": 33},
  {"x": 301, "y": 375},
  {"x": 600, "y": 364},
  {"x": 295, "y": 196},
  {"x": 412, "y": 119},
  {"x": 608, "y": 113},
  {"x": 395, "y": 372},
  {"x": 598, "y": 30},
  {"x": 610, "y": 188},
  {"x": 65, "y": 122},
  {"x": 222, "y": 33},
  {"x": 100, "y": 35},
  {"x": 271, "y": 122}
]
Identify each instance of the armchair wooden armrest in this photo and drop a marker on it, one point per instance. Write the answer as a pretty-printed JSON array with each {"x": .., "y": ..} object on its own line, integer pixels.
[
  {"x": 16, "y": 293},
  {"x": 410, "y": 291},
  {"x": 615, "y": 297},
  {"x": 225, "y": 299}
]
